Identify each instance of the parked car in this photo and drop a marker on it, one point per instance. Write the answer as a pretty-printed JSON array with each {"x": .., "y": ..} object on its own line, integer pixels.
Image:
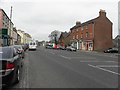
[
  {"x": 49, "y": 46},
  {"x": 32, "y": 46},
  {"x": 62, "y": 48},
  {"x": 11, "y": 64},
  {"x": 70, "y": 48},
  {"x": 111, "y": 50},
  {"x": 20, "y": 50},
  {"x": 25, "y": 46}
]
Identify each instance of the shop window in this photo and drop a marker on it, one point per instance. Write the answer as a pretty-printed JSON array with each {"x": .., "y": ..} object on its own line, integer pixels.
[{"x": 90, "y": 45}]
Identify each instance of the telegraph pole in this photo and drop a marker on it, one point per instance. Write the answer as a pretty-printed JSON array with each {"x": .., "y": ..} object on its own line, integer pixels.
[{"x": 10, "y": 25}]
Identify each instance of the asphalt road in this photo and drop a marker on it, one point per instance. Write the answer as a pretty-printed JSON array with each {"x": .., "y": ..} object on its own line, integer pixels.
[{"x": 48, "y": 68}]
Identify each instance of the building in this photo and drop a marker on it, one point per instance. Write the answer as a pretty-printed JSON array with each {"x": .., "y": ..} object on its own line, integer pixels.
[
  {"x": 14, "y": 36},
  {"x": 63, "y": 39},
  {"x": 6, "y": 29},
  {"x": 22, "y": 35},
  {"x": 95, "y": 34},
  {"x": 115, "y": 41},
  {"x": 28, "y": 38},
  {"x": 25, "y": 37},
  {"x": 18, "y": 39}
]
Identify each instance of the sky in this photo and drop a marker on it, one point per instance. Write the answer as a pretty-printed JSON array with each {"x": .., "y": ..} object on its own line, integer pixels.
[{"x": 40, "y": 17}]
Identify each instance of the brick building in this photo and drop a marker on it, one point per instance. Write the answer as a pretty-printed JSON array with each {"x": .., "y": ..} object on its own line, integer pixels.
[
  {"x": 95, "y": 34},
  {"x": 6, "y": 29},
  {"x": 63, "y": 38}
]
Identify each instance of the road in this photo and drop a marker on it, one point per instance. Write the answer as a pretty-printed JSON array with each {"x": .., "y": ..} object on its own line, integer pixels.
[{"x": 48, "y": 68}]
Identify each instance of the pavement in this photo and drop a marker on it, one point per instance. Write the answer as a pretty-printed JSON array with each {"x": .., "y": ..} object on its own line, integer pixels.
[{"x": 48, "y": 68}]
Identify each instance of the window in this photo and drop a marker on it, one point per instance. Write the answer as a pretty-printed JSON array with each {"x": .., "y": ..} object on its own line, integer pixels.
[
  {"x": 77, "y": 29},
  {"x": 81, "y": 28},
  {"x": 86, "y": 34},
  {"x": 77, "y": 37},
  {"x": 82, "y": 35},
  {"x": 90, "y": 45},
  {"x": 73, "y": 37}
]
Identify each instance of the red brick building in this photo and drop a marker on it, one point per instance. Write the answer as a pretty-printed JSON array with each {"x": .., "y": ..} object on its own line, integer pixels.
[
  {"x": 64, "y": 39},
  {"x": 95, "y": 34}
]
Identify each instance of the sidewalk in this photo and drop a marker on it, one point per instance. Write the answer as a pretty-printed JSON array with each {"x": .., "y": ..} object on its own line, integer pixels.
[{"x": 98, "y": 52}]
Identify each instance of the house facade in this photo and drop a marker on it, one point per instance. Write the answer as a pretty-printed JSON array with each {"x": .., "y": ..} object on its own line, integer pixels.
[
  {"x": 95, "y": 34},
  {"x": 6, "y": 29},
  {"x": 63, "y": 39},
  {"x": 14, "y": 35}
]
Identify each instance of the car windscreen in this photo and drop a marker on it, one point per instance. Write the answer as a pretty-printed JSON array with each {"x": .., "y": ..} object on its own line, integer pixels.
[
  {"x": 33, "y": 43},
  {"x": 5, "y": 53},
  {"x": 30, "y": 43}
]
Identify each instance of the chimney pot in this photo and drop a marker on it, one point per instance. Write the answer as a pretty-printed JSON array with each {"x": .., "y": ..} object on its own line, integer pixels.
[{"x": 102, "y": 13}]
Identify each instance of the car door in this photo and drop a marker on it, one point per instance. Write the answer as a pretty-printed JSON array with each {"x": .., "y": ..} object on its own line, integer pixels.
[{"x": 16, "y": 58}]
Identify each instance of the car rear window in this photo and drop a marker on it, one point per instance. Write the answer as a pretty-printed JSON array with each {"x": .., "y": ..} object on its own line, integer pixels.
[
  {"x": 5, "y": 53},
  {"x": 33, "y": 43},
  {"x": 30, "y": 43}
]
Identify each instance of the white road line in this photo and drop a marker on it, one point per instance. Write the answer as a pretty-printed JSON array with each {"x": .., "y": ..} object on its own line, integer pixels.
[
  {"x": 108, "y": 66},
  {"x": 51, "y": 52},
  {"x": 83, "y": 58},
  {"x": 65, "y": 57},
  {"x": 97, "y": 61},
  {"x": 103, "y": 69}
]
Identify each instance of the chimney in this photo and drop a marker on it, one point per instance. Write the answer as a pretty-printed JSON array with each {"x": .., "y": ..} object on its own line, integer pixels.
[
  {"x": 102, "y": 13},
  {"x": 78, "y": 23}
]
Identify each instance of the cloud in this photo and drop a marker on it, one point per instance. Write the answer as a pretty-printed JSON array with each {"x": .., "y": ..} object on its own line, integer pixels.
[{"x": 41, "y": 17}]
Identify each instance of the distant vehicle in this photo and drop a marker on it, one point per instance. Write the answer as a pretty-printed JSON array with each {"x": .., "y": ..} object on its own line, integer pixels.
[
  {"x": 111, "y": 50},
  {"x": 70, "y": 48},
  {"x": 32, "y": 46},
  {"x": 20, "y": 50},
  {"x": 11, "y": 65}
]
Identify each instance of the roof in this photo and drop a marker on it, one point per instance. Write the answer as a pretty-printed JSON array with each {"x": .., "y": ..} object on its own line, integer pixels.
[
  {"x": 117, "y": 37},
  {"x": 64, "y": 34},
  {"x": 87, "y": 22}
]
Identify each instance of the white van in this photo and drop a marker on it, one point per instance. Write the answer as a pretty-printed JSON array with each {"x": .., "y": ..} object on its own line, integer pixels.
[{"x": 32, "y": 46}]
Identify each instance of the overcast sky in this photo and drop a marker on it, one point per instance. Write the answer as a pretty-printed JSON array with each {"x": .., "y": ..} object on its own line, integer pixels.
[{"x": 40, "y": 17}]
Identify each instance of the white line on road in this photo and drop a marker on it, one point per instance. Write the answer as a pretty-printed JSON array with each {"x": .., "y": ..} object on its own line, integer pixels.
[
  {"x": 65, "y": 57},
  {"x": 84, "y": 58},
  {"x": 96, "y": 61},
  {"x": 108, "y": 66},
  {"x": 103, "y": 69}
]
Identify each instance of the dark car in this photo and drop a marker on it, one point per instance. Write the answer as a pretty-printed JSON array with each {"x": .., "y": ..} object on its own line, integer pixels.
[
  {"x": 111, "y": 50},
  {"x": 20, "y": 50},
  {"x": 11, "y": 64}
]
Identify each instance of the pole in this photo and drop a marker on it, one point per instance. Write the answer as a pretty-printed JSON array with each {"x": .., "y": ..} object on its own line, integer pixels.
[{"x": 10, "y": 24}]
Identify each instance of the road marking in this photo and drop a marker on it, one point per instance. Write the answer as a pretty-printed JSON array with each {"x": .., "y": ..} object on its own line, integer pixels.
[
  {"x": 108, "y": 66},
  {"x": 83, "y": 58},
  {"x": 51, "y": 52},
  {"x": 65, "y": 57},
  {"x": 98, "y": 61},
  {"x": 103, "y": 69}
]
